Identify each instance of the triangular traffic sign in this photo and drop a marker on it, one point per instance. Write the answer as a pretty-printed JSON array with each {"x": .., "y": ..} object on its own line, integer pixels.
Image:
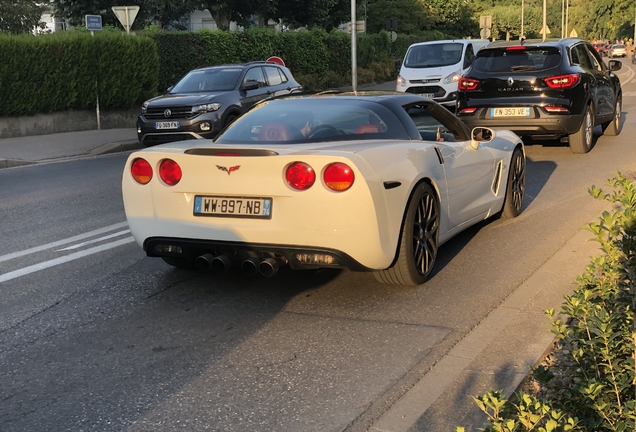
[{"x": 126, "y": 15}]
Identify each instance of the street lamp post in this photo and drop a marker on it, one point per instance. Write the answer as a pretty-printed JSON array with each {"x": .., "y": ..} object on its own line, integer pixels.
[
  {"x": 521, "y": 36},
  {"x": 354, "y": 66}
]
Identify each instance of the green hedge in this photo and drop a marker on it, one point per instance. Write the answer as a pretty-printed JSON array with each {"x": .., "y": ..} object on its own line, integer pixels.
[{"x": 64, "y": 71}]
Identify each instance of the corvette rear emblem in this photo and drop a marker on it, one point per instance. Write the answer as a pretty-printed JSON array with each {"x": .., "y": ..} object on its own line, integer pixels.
[{"x": 228, "y": 170}]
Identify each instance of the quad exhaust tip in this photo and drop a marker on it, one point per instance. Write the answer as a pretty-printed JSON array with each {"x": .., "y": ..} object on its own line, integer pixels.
[
  {"x": 268, "y": 267},
  {"x": 207, "y": 262},
  {"x": 250, "y": 266}
]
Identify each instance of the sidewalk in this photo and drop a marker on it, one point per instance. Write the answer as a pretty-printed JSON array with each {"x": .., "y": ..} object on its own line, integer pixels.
[{"x": 42, "y": 148}]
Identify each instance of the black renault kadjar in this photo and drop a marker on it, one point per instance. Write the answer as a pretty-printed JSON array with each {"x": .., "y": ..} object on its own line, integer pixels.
[
  {"x": 553, "y": 89},
  {"x": 207, "y": 99}
]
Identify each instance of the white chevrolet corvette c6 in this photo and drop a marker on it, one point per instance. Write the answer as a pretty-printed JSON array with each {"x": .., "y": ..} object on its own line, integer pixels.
[{"x": 370, "y": 182}]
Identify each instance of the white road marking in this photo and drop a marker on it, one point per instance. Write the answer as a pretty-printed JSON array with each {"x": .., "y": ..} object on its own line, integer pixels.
[
  {"x": 97, "y": 240},
  {"x": 63, "y": 242},
  {"x": 61, "y": 260}
]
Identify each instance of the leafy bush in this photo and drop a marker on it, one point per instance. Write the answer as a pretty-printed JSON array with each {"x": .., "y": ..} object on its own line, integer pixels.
[
  {"x": 595, "y": 392},
  {"x": 65, "y": 70}
]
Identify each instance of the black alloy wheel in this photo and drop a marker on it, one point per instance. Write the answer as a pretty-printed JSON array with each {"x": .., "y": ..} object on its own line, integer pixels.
[
  {"x": 516, "y": 186},
  {"x": 613, "y": 127},
  {"x": 418, "y": 242},
  {"x": 581, "y": 140}
]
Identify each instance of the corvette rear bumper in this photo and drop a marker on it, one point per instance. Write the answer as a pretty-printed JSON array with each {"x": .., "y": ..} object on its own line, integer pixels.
[{"x": 297, "y": 257}]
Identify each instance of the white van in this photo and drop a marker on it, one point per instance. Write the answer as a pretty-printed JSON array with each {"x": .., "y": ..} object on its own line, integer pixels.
[{"x": 433, "y": 68}]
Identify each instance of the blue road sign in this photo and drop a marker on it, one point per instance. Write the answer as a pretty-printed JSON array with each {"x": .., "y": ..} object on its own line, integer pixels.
[{"x": 93, "y": 22}]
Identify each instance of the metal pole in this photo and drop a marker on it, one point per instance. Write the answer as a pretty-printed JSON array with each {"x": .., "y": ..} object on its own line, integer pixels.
[
  {"x": 562, "y": 18},
  {"x": 567, "y": 15},
  {"x": 99, "y": 126},
  {"x": 127, "y": 23},
  {"x": 545, "y": 27},
  {"x": 521, "y": 36},
  {"x": 354, "y": 66}
]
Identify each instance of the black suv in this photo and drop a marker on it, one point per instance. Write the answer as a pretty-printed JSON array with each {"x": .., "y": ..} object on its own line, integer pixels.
[
  {"x": 543, "y": 89},
  {"x": 207, "y": 99}
]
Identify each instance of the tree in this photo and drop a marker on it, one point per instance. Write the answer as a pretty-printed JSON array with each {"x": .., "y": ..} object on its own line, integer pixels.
[
  {"x": 314, "y": 13},
  {"x": 167, "y": 12},
  {"x": 455, "y": 17},
  {"x": 413, "y": 16},
  {"x": 75, "y": 11},
  {"x": 20, "y": 16}
]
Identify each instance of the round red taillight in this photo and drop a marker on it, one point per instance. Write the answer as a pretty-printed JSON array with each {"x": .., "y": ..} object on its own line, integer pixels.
[
  {"x": 338, "y": 177},
  {"x": 170, "y": 172},
  {"x": 141, "y": 171},
  {"x": 300, "y": 176}
]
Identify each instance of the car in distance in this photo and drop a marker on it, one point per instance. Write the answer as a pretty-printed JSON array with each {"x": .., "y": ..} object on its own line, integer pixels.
[
  {"x": 601, "y": 48},
  {"x": 617, "y": 50},
  {"x": 207, "y": 99},
  {"x": 370, "y": 182},
  {"x": 432, "y": 69},
  {"x": 554, "y": 89}
]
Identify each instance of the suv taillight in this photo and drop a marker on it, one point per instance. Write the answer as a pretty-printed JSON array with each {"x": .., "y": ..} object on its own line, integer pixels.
[
  {"x": 467, "y": 84},
  {"x": 563, "y": 81}
]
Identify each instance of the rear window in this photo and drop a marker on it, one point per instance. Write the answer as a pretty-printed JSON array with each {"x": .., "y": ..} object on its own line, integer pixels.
[{"x": 512, "y": 60}]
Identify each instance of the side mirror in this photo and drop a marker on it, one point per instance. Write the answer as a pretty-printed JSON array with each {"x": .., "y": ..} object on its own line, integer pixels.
[
  {"x": 169, "y": 89},
  {"x": 251, "y": 85},
  {"x": 398, "y": 64},
  {"x": 480, "y": 135},
  {"x": 615, "y": 65}
]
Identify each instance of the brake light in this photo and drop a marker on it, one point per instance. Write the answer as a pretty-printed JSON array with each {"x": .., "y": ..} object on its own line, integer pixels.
[
  {"x": 563, "y": 81},
  {"x": 141, "y": 171},
  {"x": 300, "y": 176},
  {"x": 468, "y": 110},
  {"x": 556, "y": 109},
  {"x": 516, "y": 48},
  {"x": 227, "y": 154},
  {"x": 170, "y": 172},
  {"x": 338, "y": 177},
  {"x": 467, "y": 84}
]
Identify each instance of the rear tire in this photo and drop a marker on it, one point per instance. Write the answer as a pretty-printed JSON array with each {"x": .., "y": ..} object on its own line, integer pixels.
[
  {"x": 581, "y": 140},
  {"x": 613, "y": 127},
  {"x": 516, "y": 186},
  {"x": 418, "y": 240}
]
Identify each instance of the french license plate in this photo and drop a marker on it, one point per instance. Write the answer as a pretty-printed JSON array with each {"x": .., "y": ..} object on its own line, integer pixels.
[
  {"x": 233, "y": 207},
  {"x": 510, "y": 112},
  {"x": 428, "y": 95},
  {"x": 167, "y": 125}
]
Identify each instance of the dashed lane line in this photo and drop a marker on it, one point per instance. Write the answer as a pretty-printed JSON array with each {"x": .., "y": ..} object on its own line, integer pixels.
[
  {"x": 63, "y": 242},
  {"x": 61, "y": 260}
]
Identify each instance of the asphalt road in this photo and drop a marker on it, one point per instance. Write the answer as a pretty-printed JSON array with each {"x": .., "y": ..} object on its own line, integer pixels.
[{"x": 94, "y": 336}]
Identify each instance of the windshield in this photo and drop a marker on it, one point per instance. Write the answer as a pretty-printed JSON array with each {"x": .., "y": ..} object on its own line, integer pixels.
[
  {"x": 433, "y": 55},
  {"x": 313, "y": 119},
  {"x": 208, "y": 80},
  {"x": 515, "y": 60}
]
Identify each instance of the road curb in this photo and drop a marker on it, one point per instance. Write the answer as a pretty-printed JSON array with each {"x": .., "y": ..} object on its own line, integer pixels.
[{"x": 117, "y": 147}]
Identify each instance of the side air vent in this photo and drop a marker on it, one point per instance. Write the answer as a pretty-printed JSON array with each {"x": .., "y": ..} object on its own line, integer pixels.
[{"x": 496, "y": 182}]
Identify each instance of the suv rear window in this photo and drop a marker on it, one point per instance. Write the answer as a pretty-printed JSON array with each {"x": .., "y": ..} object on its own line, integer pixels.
[{"x": 511, "y": 60}]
